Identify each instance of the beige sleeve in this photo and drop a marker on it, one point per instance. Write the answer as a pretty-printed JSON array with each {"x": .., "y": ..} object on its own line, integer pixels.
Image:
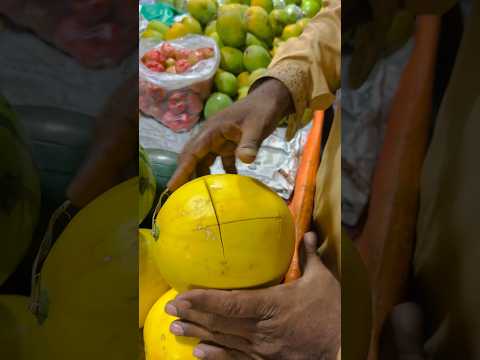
[{"x": 309, "y": 66}]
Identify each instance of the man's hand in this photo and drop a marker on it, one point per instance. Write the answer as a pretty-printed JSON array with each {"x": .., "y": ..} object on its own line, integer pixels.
[
  {"x": 407, "y": 333},
  {"x": 238, "y": 131},
  {"x": 299, "y": 320}
]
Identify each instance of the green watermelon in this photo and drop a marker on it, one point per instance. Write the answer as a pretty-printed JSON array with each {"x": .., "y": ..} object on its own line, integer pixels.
[
  {"x": 163, "y": 164},
  {"x": 60, "y": 141},
  {"x": 148, "y": 185},
  {"x": 19, "y": 192}
]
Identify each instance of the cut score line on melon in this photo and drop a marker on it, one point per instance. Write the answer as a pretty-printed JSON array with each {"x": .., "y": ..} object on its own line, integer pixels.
[
  {"x": 216, "y": 216},
  {"x": 219, "y": 223}
]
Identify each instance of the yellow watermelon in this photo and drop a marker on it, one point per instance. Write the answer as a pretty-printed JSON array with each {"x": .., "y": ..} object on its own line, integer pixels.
[
  {"x": 356, "y": 303},
  {"x": 19, "y": 193},
  {"x": 150, "y": 283},
  {"x": 147, "y": 185},
  {"x": 224, "y": 232},
  {"x": 89, "y": 281},
  {"x": 160, "y": 343},
  {"x": 18, "y": 329}
]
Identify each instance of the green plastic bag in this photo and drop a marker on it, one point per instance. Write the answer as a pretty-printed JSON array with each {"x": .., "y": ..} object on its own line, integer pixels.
[{"x": 160, "y": 11}]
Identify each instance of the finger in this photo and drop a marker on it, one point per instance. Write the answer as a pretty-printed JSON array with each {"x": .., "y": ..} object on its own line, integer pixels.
[
  {"x": 203, "y": 166},
  {"x": 408, "y": 331},
  {"x": 226, "y": 148},
  {"x": 182, "y": 174},
  {"x": 228, "y": 163},
  {"x": 192, "y": 154},
  {"x": 215, "y": 323},
  {"x": 252, "y": 304},
  {"x": 212, "y": 352},
  {"x": 252, "y": 137},
  {"x": 313, "y": 261},
  {"x": 192, "y": 330}
]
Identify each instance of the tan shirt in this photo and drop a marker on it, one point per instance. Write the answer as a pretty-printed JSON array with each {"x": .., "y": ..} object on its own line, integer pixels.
[
  {"x": 309, "y": 66},
  {"x": 447, "y": 254}
]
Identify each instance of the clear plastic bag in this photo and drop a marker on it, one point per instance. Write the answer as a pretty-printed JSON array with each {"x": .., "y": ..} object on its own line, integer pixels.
[{"x": 176, "y": 100}]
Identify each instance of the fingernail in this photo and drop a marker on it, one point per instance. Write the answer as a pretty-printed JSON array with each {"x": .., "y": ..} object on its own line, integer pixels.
[
  {"x": 176, "y": 329},
  {"x": 171, "y": 310},
  {"x": 198, "y": 353}
]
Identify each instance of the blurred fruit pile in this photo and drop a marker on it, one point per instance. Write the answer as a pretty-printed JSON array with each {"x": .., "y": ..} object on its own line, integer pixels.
[{"x": 248, "y": 33}]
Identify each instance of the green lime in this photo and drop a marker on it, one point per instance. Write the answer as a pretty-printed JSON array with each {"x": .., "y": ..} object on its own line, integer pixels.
[
  {"x": 202, "y": 10},
  {"x": 192, "y": 24},
  {"x": 217, "y": 39},
  {"x": 215, "y": 103},
  {"x": 231, "y": 60},
  {"x": 253, "y": 40},
  {"x": 157, "y": 25},
  {"x": 311, "y": 7},
  {"x": 256, "y": 57},
  {"x": 290, "y": 31},
  {"x": 226, "y": 83},
  {"x": 211, "y": 28}
]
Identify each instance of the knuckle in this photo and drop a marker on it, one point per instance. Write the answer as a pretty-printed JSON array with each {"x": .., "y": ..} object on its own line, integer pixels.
[
  {"x": 182, "y": 313},
  {"x": 268, "y": 311},
  {"x": 263, "y": 327},
  {"x": 232, "y": 308}
]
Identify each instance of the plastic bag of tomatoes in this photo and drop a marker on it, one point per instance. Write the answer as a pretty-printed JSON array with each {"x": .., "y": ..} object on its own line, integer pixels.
[{"x": 176, "y": 78}]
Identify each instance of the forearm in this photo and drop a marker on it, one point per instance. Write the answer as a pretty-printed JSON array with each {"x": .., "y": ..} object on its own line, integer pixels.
[{"x": 309, "y": 66}]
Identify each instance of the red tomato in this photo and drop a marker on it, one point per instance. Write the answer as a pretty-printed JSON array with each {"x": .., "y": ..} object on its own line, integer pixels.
[
  {"x": 182, "y": 65},
  {"x": 181, "y": 54},
  {"x": 194, "y": 102},
  {"x": 206, "y": 53},
  {"x": 155, "y": 66},
  {"x": 154, "y": 55},
  {"x": 193, "y": 58},
  {"x": 167, "y": 49},
  {"x": 176, "y": 122},
  {"x": 177, "y": 96}
]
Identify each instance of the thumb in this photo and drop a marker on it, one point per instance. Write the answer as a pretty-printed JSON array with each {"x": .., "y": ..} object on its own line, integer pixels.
[
  {"x": 252, "y": 137},
  {"x": 312, "y": 260},
  {"x": 408, "y": 331}
]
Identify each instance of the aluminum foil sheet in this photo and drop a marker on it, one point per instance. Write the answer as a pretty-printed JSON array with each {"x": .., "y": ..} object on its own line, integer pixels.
[
  {"x": 276, "y": 164},
  {"x": 364, "y": 115}
]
